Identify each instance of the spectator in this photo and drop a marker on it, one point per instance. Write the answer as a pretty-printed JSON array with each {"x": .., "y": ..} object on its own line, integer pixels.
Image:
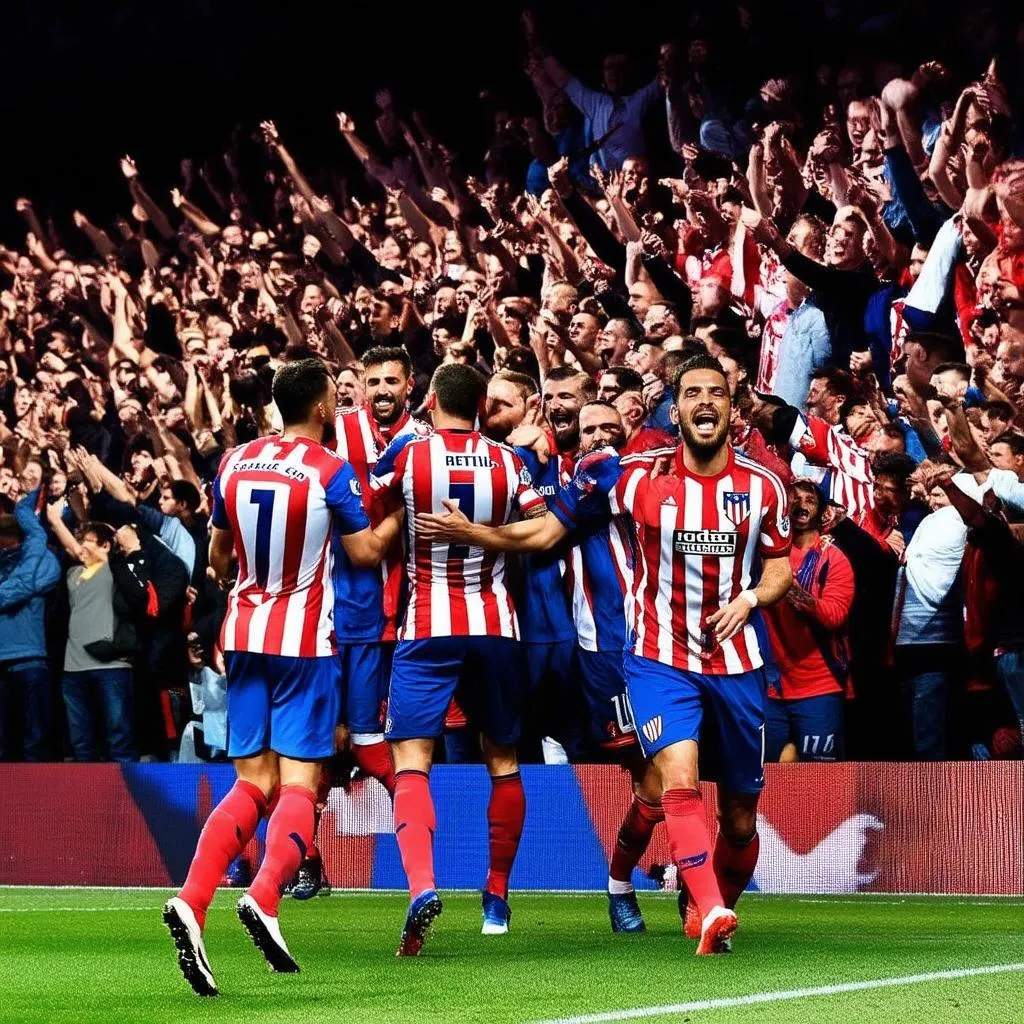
[
  {"x": 808, "y": 640},
  {"x": 28, "y": 570},
  {"x": 97, "y": 683}
]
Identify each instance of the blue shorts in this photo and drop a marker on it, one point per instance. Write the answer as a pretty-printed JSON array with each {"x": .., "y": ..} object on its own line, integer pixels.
[
  {"x": 365, "y": 671},
  {"x": 669, "y": 705},
  {"x": 814, "y": 724},
  {"x": 604, "y": 688},
  {"x": 288, "y": 705},
  {"x": 485, "y": 671}
]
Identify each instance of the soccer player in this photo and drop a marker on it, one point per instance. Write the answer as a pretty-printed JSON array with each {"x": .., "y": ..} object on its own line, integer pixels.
[
  {"x": 600, "y": 564},
  {"x": 365, "y": 599},
  {"x": 712, "y": 543},
  {"x": 548, "y": 630},
  {"x": 460, "y": 623},
  {"x": 275, "y": 502}
]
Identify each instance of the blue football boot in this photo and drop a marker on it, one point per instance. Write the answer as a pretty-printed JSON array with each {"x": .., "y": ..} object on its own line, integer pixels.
[
  {"x": 624, "y": 912},
  {"x": 496, "y": 915},
  {"x": 422, "y": 912}
]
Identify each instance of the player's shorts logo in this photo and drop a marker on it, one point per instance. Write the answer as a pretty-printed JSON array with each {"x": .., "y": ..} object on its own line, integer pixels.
[
  {"x": 704, "y": 542},
  {"x": 652, "y": 729},
  {"x": 736, "y": 505}
]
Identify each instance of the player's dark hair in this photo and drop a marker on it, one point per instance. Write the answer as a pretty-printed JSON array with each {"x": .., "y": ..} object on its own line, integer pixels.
[
  {"x": 459, "y": 389},
  {"x": 962, "y": 369},
  {"x": 626, "y": 378},
  {"x": 999, "y": 409},
  {"x": 943, "y": 347},
  {"x": 602, "y": 402},
  {"x": 298, "y": 387},
  {"x": 587, "y": 383},
  {"x": 387, "y": 354},
  {"x": 104, "y": 534},
  {"x": 186, "y": 493},
  {"x": 633, "y": 331},
  {"x": 702, "y": 361},
  {"x": 1013, "y": 440},
  {"x": 524, "y": 384},
  {"x": 897, "y": 465}
]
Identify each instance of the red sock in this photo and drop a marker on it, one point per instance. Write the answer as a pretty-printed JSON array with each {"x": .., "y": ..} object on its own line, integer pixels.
[
  {"x": 228, "y": 829},
  {"x": 634, "y": 837},
  {"x": 689, "y": 841},
  {"x": 289, "y": 836},
  {"x": 734, "y": 866},
  {"x": 506, "y": 813},
  {"x": 375, "y": 759},
  {"x": 414, "y": 829}
]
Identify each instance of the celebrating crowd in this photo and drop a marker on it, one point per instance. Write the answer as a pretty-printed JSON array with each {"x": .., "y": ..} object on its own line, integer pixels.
[{"x": 851, "y": 250}]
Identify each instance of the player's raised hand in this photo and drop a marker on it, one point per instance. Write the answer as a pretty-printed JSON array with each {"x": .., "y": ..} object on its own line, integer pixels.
[
  {"x": 452, "y": 527},
  {"x": 728, "y": 621}
]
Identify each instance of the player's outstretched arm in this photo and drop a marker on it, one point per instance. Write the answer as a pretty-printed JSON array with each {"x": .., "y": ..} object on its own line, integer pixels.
[
  {"x": 367, "y": 547},
  {"x": 538, "y": 533},
  {"x": 776, "y": 579}
]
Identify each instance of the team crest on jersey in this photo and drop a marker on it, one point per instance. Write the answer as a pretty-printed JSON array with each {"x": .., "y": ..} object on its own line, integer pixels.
[
  {"x": 784, "y": 526},
  {"x": 736, "y": 505},
  {"x": 652, "y": 729},
  {"x": 356, "y": 487},
  {"x": 524, "y": 477}
]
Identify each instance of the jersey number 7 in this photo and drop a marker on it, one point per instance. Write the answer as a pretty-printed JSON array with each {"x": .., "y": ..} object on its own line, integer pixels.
[{"x": 464, "y": 496}]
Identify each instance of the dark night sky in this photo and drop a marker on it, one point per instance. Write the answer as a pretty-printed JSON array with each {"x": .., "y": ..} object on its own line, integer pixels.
[{"x": 82, "y": 83}]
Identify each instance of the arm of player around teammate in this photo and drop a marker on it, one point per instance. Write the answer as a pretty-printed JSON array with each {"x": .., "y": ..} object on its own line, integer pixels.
[
  {"x": 538, "y": 532},
  {"x": 367, "y": 547},
  {"x": 776, "y": 579}
]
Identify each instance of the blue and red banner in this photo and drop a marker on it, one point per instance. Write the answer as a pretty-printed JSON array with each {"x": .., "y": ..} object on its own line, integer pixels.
[{"x": 941, "y": 828}]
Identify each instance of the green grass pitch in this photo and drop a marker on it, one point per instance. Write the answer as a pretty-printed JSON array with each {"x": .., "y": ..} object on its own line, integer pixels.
[{"x": 88, "y": 955}]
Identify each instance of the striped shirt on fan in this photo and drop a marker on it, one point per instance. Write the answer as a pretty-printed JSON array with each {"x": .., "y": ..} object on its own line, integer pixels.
[
  {"x": 281, "y": 499},
  {"x": 457, "y": 590},
  {"x": 848, "y": 479},
  {"x": 698, "y": 540}
]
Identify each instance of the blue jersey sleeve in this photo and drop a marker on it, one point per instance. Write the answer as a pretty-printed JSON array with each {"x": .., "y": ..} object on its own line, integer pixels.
[
  {"x": 586, "y": 495},
  {"x": 344, "y": 496},
  {"x": 385, "y": 466},
  {"x": 219, "y": 515}
]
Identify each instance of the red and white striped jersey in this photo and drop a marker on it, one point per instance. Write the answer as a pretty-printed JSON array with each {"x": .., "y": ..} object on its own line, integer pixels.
[
  {"x": 281, "y": 500},
  {"x": 456, "y": 590},
  {"x": 848, "y": 479},
  {"x": 698, "y": 540}
]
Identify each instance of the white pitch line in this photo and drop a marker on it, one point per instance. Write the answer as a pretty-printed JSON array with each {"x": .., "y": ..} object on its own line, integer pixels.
[{"x": 643, "y": 1013}]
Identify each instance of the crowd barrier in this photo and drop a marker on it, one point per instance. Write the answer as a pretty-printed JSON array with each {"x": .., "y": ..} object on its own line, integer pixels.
[{"x": 901, "y": 828}]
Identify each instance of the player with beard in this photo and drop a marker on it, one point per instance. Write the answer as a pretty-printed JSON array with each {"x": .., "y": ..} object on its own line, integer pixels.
[
  {"x": 365, "y": 600},
  {"x": 276, "y": 502},
  {"x": 548, "y": 630},
  {"x": 712, "y": 544},
  {"x": 600, "y": 563}
]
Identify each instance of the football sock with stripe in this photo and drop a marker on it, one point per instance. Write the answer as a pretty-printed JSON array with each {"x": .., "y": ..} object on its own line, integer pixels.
[
  {"x": 289, "y": 836},
  {"x": 227, "y": 831},
  {"x": 414, "y": 829},
  {"x": 689, "y": 841}
]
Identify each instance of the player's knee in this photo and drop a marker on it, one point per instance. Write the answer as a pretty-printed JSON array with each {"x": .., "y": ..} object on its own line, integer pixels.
[
  {"x": 412, "y": 755},
  {"x": 500, "y": 759}
]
